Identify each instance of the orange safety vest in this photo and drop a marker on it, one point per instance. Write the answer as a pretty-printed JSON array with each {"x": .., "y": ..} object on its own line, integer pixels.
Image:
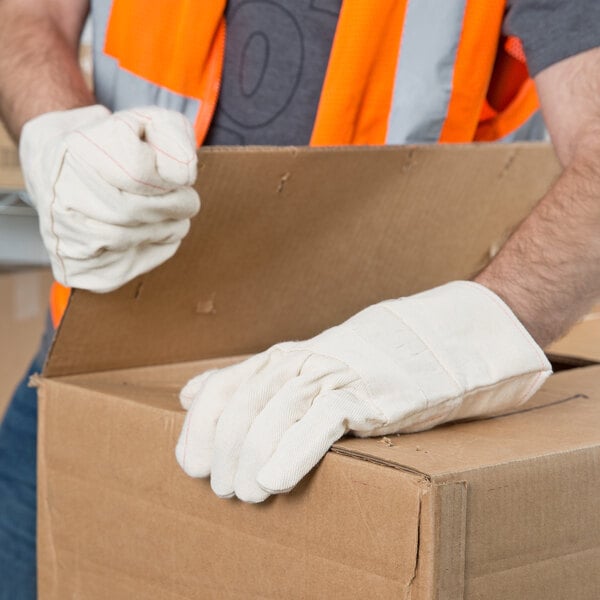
[{"x": 400, "y": 71}]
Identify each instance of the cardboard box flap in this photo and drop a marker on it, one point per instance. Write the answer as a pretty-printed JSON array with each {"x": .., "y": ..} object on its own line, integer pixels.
[{"x": 291, "y": 241}]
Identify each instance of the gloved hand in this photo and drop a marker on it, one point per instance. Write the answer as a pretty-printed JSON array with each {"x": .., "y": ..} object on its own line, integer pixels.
[
  {"x": 403, "y": 365},
  {"x": 113, "y": 191}
]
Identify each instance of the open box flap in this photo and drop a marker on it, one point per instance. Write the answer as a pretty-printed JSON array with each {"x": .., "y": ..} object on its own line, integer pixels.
[{"x": 291, "y": 241}]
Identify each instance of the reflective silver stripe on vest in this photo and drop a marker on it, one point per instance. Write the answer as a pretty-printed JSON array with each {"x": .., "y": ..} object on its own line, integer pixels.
[
  {"x": 119, "y": 89},
  {"x": 425, "y": 70}
]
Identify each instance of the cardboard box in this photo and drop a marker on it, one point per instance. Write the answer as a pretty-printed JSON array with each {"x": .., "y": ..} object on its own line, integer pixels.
[
  {"x": 290, "y": 242},
  {"x": 505, "y": 508},
  {"x": 23, "y": 310}
]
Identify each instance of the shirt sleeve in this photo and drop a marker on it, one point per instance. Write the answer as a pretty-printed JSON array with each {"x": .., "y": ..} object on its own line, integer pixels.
[{"x": 552, "y": 30}]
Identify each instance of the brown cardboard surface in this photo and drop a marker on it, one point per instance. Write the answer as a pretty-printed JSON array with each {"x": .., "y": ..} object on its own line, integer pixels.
[
  {"x": 486, "y": 509},
  {"x": 291, "y": 241},
  {"x": 23, "y": 309},
  {"x": 119, "y": 521},
  {"x": 581, "y": 345}
]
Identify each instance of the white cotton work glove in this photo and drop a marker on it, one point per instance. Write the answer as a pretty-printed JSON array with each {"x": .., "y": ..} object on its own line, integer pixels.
[
  {"x": 405, "y": 365},
  {"x": 112, "y": 191}
]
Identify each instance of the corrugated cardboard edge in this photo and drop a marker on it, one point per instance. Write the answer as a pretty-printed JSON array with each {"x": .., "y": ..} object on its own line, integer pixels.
[
  {"x": 44, "y": 538},
  {"x": 56, "y": 336},
  {"x": 379, "y": 461}
]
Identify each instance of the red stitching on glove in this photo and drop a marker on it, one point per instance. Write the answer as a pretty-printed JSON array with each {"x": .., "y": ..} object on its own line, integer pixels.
[
  {"x": 158, "y": 187},
  {"x": 152, "y": 145}
]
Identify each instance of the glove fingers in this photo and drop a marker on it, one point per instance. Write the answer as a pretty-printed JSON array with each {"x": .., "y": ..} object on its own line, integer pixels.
[
  {"x": 82, "y": 189},
  {"x": 287, "y": 407},
  {"x": 238, "y": 416},
  {"x": 225, "y": 381},
  {"x": 111, "y": 270},
  {"x": 101, "y": 238},
  {"x": 183, "y": 203},
  {"x": 116, "y": 152},
  {"x": 206, "y": 396},
  {"x": 171, "y": 136},
  {"x": 193, "y": 388},
  {"x": 119, "y": 151},
  {"x": 306, "y": 442}
]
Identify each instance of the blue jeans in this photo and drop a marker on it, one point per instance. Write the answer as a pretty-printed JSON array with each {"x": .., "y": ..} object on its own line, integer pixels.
[{"x": 18, "y": 441}]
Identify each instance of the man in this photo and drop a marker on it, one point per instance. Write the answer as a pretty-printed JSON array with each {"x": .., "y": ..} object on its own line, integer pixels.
[{"x": 113, "y": 192}]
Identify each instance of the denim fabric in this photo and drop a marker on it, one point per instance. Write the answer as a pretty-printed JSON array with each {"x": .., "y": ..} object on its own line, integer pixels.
[{"x": 18, "y": 437}]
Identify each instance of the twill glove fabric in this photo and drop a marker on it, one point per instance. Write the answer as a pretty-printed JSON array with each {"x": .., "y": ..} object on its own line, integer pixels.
[
  {"x": 112, "y": 191},
  {"x": 405, "y": 365}
]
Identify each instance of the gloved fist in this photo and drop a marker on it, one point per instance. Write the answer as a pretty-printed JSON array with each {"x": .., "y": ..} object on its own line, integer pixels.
[
  {"x": 404, "y": 365},
  {"x": 113, "y": 191}
]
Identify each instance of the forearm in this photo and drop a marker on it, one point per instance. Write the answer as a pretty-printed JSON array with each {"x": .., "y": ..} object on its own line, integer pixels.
[
  {"x": 549, "y": 270},
  {"x": 39, "y": 68}
]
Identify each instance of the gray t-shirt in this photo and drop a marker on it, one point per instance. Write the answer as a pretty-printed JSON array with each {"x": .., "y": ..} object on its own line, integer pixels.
[
  {"x": 552, "y": 30},
  {"x": 277, "y": 52},
  {"x": 276, "y": 55}
]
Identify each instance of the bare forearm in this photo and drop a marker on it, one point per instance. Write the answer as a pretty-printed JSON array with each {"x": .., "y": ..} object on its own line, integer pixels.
[
  {"x": 39, "y": 69},
  {"x": 549, "y": 270}
]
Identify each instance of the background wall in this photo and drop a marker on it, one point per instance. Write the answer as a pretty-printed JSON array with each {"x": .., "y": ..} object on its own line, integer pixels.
[{"x": 23, "y": 308}]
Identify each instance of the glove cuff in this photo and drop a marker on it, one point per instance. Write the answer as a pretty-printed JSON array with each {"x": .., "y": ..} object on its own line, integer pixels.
[
  {"x": 480, "y": 343},
  {"x": 48, "y": 127},
  {"x": 61, "y": 121}
]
